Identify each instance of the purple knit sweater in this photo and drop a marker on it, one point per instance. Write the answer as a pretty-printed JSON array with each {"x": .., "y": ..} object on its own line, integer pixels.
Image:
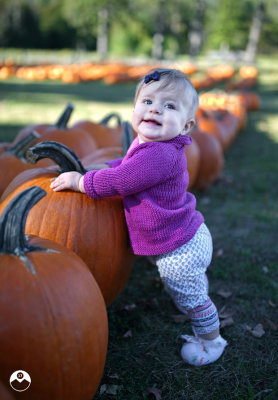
[{"x": 152, "y": 179}]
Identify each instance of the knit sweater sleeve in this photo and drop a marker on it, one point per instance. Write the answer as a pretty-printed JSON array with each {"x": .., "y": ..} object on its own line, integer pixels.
[{"x": 147, "y": 167}]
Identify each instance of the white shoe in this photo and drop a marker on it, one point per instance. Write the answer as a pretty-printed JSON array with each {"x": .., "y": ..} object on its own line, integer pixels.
[{"x": 198, "y": 351}]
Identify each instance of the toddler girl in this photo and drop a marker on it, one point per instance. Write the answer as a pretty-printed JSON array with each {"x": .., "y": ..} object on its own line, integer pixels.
[{"x": 161, "y": 215}]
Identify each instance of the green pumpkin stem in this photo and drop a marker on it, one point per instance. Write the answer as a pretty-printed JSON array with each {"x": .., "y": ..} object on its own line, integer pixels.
[
  {"x": 65, "y": 116},
  {"x": 127, "y": 136},
  {"x": 59, "y": 153},
  {"x": 106, "y": 119},
  {"x": 19, "y": 149},
  {"x": 13, "y": 221}
]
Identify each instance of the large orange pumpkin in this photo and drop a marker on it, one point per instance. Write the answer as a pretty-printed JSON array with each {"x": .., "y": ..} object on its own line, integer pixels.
[
  {"x": 53, "y": 316},
  {"x": 211, "y": 159},
  {"x": 93, "y": 228}
]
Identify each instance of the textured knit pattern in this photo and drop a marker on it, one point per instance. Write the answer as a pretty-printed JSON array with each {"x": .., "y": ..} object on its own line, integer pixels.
[
  {"x": 152, "y": 178},
  {"x": 183, "y": 271}
]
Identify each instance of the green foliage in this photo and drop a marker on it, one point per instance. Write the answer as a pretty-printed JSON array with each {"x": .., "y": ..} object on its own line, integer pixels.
[
  {"x": 137, "y": 41},
  {"x": 228, "y": 22},
  {"x": 132, "y": 25},
  {"x": 57, "y": 32}
]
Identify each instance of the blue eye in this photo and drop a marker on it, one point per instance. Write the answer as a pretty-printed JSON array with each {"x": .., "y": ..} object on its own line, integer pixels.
[
  {"x": 170, "y": 106},
  {"x": 147, "y": 101}
]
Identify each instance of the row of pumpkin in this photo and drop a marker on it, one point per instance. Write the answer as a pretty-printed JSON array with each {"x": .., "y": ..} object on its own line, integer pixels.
[
  {"x": 118, "y": 72},
  {"x": 75, "y": 261}
]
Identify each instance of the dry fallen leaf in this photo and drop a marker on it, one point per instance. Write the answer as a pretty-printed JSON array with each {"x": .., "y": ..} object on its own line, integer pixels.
[
  {"x": 224, "y": 313},
  {"x": 226, "y": 322},
  {"x": 180, "y": 318},
  {"x": 224, "y": 293},
  {"x": 156, "y": 392},
  {"x": 127, "y": 334},
  {"x": 219, "y": 253},
  {"x": 267, "y": 323},
  {"x": 272, "y": 304},
  {"x": 108, "y": 389},
  {"x": 114, "y": 376},
  {"x": 257, "y": 332},
  {"x": 129, "y": 307}
]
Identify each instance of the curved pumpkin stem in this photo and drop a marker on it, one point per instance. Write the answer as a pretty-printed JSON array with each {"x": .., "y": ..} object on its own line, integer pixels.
[
  {"x": 65, "y": 116},
  {"x": 106, "y": 119},
  {"x": 19, "y": 149},
  {"x": 59, "y": 153},
  {"x": 13, "y": 220},
  {"x": 127, "y": 136}
]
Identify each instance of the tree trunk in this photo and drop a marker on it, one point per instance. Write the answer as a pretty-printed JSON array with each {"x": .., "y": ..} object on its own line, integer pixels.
[
  {"x": 158, "y": 37},
  {"x": 254, "y": 35},
  {"x": 196, "y": 29},
  {"x": 102, "y": 37}
]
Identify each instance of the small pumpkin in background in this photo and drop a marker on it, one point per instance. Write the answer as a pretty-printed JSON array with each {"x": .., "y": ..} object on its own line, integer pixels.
[
  {"x": 102, "y": 155},
  {"x": 206, "y": 122},
  {"x": 42, "y": 128},
  {"x": 220, "y": 123},
  {"x": 193, "y": 156},
  {"x": 75, "y": 138},
  {"x": 211, "y": 159},
  {"x": 95, "y": 229},
  {"x": 12, "y": 161},
  {"x": 103, "y": 135},
  {"x": 53, "y": 317},
  {"x": 120, "y": 135},
  {"x": 4, "y": 146}
]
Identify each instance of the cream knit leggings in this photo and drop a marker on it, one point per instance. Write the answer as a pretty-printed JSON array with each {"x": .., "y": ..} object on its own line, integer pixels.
[{"x": 183, "y": 273}]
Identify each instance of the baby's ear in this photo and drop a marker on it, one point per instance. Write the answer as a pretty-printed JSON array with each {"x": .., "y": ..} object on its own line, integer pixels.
[{"x": 188, "y": 126}]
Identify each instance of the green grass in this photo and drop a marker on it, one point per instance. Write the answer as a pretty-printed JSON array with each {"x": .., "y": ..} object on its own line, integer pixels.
[{"x": 242, "y": 214}]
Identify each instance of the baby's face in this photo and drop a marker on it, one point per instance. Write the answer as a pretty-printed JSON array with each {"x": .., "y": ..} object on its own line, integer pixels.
[{"x": 161, "y": 113}]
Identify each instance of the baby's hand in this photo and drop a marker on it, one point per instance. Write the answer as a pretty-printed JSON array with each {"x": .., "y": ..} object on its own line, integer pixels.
[{"x": 68, "y": 180}]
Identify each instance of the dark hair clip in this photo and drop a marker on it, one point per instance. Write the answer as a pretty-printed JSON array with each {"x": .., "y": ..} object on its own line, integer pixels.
[{"x": 154, "y": 76}]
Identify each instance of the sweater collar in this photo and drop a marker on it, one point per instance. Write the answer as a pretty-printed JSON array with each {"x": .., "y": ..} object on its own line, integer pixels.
[{"x": 180, "y": 140}]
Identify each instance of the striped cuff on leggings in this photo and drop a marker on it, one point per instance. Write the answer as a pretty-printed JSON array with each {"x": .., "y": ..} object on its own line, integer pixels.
[{"x": 204, "y": 318}]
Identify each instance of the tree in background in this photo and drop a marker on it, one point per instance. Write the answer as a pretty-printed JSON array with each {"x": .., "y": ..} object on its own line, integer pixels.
[
  {"x": 196, "y": 33},
  {"x": 157, "y": 28},
  {"x": 228, "y": 22},
  {"x": 92, "y": 20},
  {"x": 255, "y": 31},
  {"x": 19, "y": 24}
]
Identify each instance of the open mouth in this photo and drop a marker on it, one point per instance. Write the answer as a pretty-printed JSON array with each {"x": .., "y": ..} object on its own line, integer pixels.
[{"x": 152, "y": 121}]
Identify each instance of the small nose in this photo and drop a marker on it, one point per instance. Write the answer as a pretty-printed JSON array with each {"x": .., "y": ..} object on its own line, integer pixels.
[{"x": 155, "y": 108}]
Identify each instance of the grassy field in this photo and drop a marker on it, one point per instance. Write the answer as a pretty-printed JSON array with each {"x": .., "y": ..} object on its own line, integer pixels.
[{"x": 143, "y": 360}]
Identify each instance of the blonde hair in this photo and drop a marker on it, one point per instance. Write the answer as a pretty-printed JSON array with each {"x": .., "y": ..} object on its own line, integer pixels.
[{"x": 170, "y": 77}]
